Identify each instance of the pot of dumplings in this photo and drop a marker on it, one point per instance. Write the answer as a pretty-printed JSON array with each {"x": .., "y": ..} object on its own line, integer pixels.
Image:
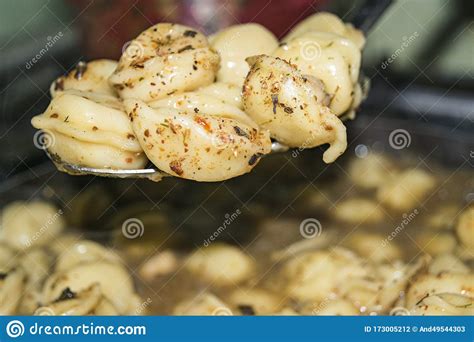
[
  {"x": 382, "y": 235},
  {"x": 207, "y": 108}
]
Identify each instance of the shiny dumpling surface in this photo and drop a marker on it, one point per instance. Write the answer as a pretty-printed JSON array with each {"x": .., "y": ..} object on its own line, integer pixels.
[
  {"x": 91, "y": 76},
  {"x": 331, "y": 58},
  {"x": 163, "y": 60},
  {"x": 213, "y": 141},
  {"x": 204, "y": 104},
  {"x": 235, "y": 43},
  {"x": 90, "y": 129},
  {"x": 327, "y": 22},
  {"x": 226, "y": 92},
  {"x": 293, "y": 107}
]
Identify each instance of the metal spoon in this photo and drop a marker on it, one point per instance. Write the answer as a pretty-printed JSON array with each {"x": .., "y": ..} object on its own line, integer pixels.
[{"x": 150, "y": 173}]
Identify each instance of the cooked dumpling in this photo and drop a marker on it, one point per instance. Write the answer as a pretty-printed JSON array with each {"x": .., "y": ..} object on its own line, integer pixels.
[
  {"x": 203, "y": 104},
  {"x": 11, "y": 290},
  {"x": 36, "y": 264},
  {"x": 292, "y": 107},
  {"x": 372, "y": 171},
  {"x": 465, "y": 228},
  {"x": 406, "y": 190},
  {"x": 373, "y": 247},
  {"x": 316, "y": 275},
  {"x": 92, "y": 76},
  {"x": 27, "y": 224},
  {"x": 235, "y": 43},
  {"x": 89, "y": 301},
  {"x": 447, "y": 282},
  {"x": 255, "y": 301},
  {"x": 444, "y": 304},
  {"x": 221, "y": 264},
  {"x": 115, "y": 284},
  {"x": 198, "y": 138},
  {"x": 90, "y": 129},
  {"x": 327, "y": 22},
  {"x": 440, "y": 243},
  {"x": 226, "y": 92},
  {"x": 332, "y": 59},
  {"x": 447, "y": 263},
  {"x": 358, "y": 210},
  {"x": 163, "y": 60},
  {"x": 84, "y": 251}
]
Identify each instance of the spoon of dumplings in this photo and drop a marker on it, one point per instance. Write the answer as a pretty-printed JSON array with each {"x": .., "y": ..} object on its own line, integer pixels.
[
  {"x": 316, "y": 29},
  {"x": 150, "y": 172}
]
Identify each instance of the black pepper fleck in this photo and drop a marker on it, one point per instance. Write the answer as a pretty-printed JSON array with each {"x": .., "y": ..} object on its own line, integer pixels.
[
  {"x": 253, "y": 159},
  {"x": 189, "y": 33},
  {"x": 187, "y": 47},
  {"x": 240, "y": 132},
  {"x": 274, "y": 102},
  {"x": 66, "y": 294},
  {"x": 246, "y": 310}
]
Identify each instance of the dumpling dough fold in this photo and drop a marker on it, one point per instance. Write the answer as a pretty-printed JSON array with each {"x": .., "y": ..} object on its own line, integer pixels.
[
  {"x": 92, "y": 76},
  {"x": 292, "y": 106},
  {"x": 163, "y": 60},
  {"x": 90, "y": 129},
  {"x": 213, "y": 141}
]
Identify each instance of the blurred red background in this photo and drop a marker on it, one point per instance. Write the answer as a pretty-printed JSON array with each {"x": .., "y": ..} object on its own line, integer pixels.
[{"x": 106, "y": 26}]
